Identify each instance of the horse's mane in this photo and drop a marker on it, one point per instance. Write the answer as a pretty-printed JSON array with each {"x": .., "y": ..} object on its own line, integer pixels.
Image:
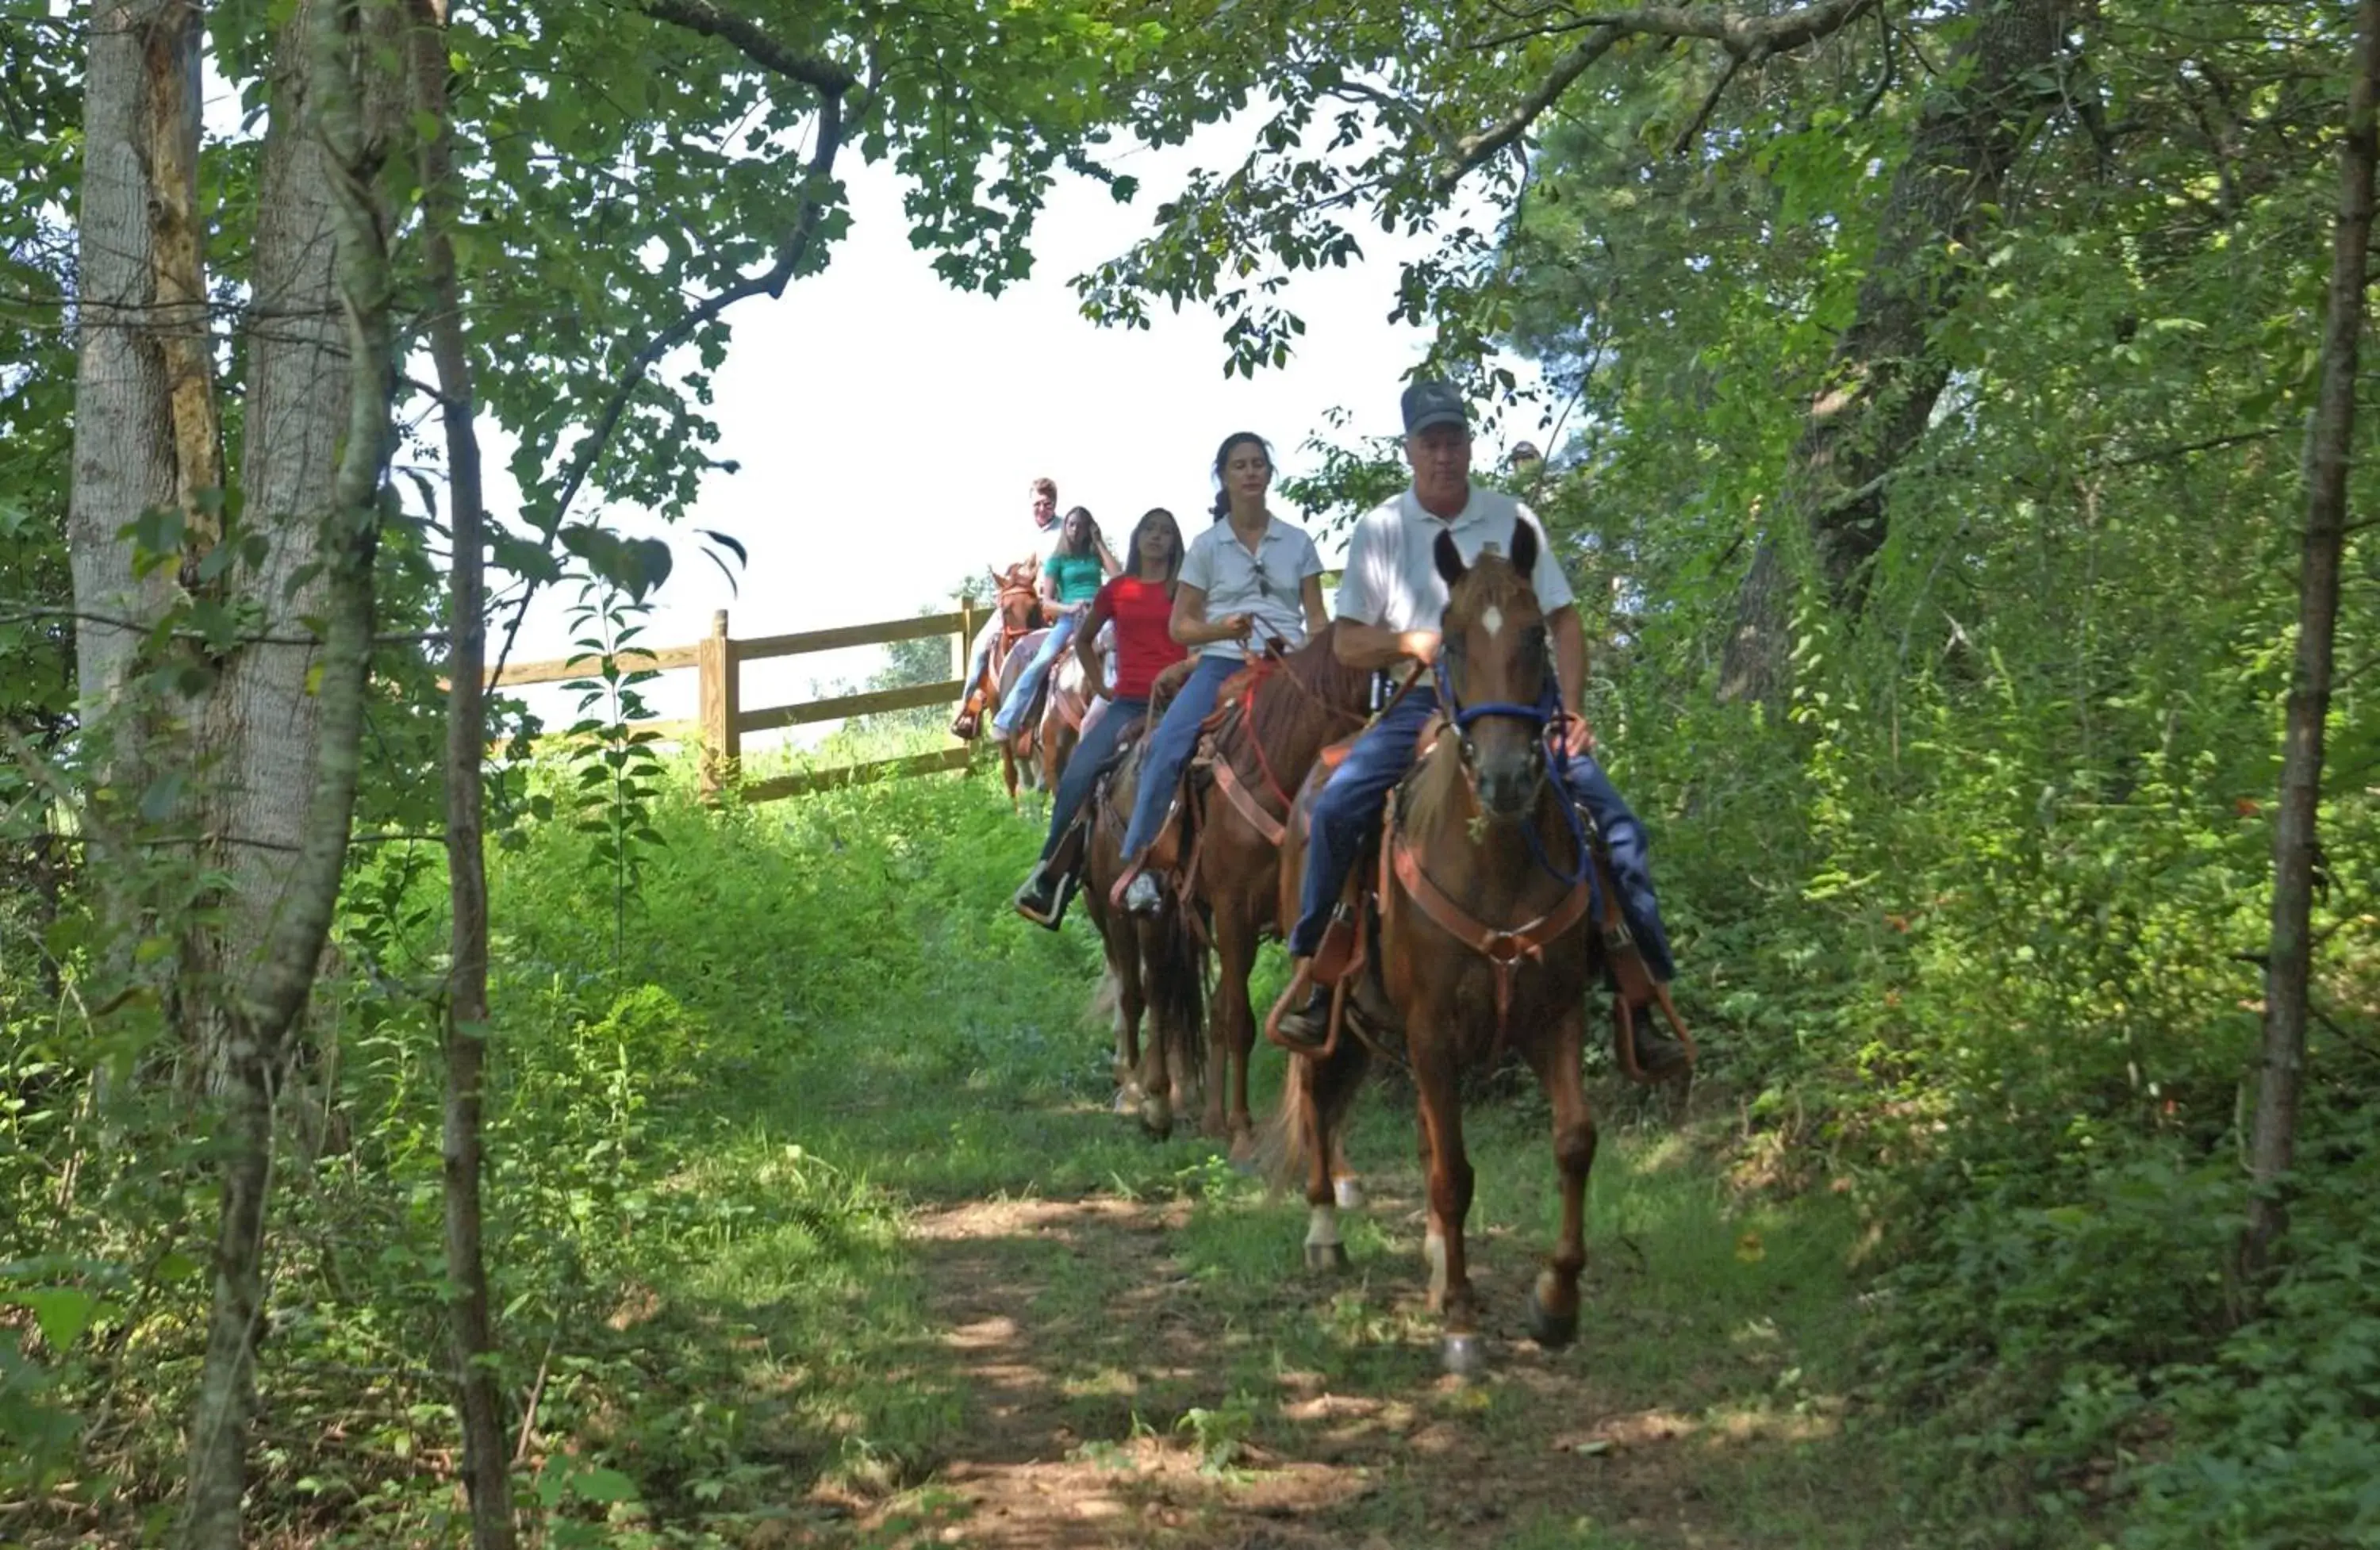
[
  {"x": 1285, "y": 716},
  {"x": 1428, "y": 794}
]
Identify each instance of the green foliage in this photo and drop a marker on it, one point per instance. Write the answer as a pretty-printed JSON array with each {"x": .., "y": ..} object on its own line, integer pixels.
[{"x": 614, "y": 770}]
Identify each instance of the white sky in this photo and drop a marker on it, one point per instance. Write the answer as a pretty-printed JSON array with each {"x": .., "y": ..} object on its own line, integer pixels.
[{"x": 887, "y": 425}]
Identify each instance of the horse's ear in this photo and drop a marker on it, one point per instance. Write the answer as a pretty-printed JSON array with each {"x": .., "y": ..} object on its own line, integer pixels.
[
  {"x": 1525, "y": 548},
  {"x": 1449, "y": 558}
]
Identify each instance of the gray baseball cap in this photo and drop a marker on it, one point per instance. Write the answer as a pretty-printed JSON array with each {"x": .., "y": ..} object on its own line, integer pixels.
[{"x": 1428, "y": 403}]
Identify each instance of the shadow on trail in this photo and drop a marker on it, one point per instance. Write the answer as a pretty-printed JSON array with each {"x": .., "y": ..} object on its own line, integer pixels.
[{"x": 1154, "y": 1374}]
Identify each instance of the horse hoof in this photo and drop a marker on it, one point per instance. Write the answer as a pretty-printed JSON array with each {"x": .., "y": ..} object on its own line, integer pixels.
[
  {"x": 1157, "y": 1118},
  {"x": 1549, "y": 1329},
  {"x": 1326, "y": 1257},
  {"x": 1462, "y": 1355},
  {"x": 1348, "y": 1192}
]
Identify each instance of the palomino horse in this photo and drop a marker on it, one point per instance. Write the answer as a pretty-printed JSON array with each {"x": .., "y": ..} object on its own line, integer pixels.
[
  {"x": 1152, "y": 962},
  {"x": 1274, "y": 721},
  {"x": 1485, "y": 942}
]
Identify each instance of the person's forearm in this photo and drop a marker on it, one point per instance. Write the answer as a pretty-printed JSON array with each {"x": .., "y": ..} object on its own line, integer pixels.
[
  {"x": 1370, "y": 646},
  {"x": 1569, "y": 658}
]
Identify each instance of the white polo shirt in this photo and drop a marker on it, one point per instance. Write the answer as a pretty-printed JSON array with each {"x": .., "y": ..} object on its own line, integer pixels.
[
  {"x": 1391, "y": 578},
  {"x": 1268, "y": 583}
]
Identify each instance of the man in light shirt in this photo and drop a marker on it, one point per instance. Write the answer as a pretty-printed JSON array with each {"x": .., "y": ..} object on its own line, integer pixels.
[
  {"x": 1044, "y": 537},
  {"x": 1392, "y": 600}
]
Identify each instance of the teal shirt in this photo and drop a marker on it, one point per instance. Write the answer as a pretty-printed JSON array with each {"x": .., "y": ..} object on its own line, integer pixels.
[{"x": 1078, "y": 576}]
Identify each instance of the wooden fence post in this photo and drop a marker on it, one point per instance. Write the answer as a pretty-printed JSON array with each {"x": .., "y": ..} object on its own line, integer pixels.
[
  {"x": 722, "y": 748},
  {"x": 964, "y": 643}
]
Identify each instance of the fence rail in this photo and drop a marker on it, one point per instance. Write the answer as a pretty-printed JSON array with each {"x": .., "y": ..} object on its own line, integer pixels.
[{"x": 721, "y": 722}]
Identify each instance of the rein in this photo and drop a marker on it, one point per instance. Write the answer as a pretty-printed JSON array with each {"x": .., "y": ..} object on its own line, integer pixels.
[{"x": 1274, "y": 664}]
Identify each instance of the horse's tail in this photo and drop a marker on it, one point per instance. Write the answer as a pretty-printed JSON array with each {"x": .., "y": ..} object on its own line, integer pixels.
[
  {"x": 1330, "y": 1084},
  {"x": 1174, "y": 967}
]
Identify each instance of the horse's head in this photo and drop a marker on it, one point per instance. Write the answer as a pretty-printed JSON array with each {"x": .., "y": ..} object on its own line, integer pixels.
[
  {"x": 1496, "y": 671},
  {"x": 1013, "y": 594}
]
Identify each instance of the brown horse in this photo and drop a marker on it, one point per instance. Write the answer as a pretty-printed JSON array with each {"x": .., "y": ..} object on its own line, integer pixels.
[
  {"x": 1152, "y": 962},
  {"x": 1018, "y": 601},
  {"x": 1063, "y": 706},
  {"x": 1020, "y": 750},
  {"x": 1274, "y": 722},
  {"x": 1484, "y": 943}
]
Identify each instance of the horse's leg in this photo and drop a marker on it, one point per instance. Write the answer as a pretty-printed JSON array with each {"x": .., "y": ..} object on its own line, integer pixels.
[
  {"x": 1320, "y": 1092},
  {"x": 1231, "y": 1025},
  {"x": 1155, "y": 1067},
  {"x": 1346, "y": 1184},
  {"x": 1449, "y": 1198},
  {"x": 1553, "y": 1306},
  {"x": 1132, "y": 998}
]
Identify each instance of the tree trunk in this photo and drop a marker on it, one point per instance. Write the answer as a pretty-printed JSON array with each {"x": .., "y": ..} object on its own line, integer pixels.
[
  {"x": 137, "y": 272},
  {"x": 486, "y": 1471},
  {"x": 257, "y": 996},
  {"x": 260, "y": 727},
  {"x": 2273, "y": 1141},
  {"x": 1884, "y": 377}
]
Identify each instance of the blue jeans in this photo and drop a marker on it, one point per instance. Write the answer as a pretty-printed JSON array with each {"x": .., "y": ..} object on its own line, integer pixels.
[
  {"x": 1169, "y": 747},
  {"x": 1029, "y": 682},
  {"x": 1100, "y": 736},
  {"x": 1347, "y": 817},
  {"x": 980, "y": 661}
]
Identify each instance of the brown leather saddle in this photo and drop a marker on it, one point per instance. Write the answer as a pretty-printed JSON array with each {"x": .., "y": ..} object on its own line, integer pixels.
[{"x": 1350, "y": 947}]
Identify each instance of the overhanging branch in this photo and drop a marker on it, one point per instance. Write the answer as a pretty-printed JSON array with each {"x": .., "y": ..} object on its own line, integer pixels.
[
  {"x": 1747, "y": 38},
  {"x": 789, "y": 258},
  {"x": 823, "y": 76}
]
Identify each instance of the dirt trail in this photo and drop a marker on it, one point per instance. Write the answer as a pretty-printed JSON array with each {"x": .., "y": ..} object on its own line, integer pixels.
[{"x": 1107, "y": 1402}]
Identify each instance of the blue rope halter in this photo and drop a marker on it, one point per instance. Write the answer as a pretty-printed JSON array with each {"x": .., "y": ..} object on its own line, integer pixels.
[{"x": 1540, "y": 716}]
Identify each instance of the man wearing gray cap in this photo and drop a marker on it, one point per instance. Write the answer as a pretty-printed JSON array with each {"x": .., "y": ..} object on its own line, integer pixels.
[{"x": 1390, "y": 602}]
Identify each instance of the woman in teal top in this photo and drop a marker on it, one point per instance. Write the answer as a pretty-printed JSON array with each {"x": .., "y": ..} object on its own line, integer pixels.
[{"x": 1070, "y": 579}]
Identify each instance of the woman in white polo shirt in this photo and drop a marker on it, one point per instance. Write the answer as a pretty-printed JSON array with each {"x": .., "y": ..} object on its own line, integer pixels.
[{"x": 1250, "y": 578}]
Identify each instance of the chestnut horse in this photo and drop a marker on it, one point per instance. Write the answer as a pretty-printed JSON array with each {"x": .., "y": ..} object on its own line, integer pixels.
[
  {"x": 1019, "y": 603},
  {"x": 1063, "y": 706},
  {"x": 1152, "y": 962},
  {"x": 1274, "y": 722},
  {"x": 1485, "y": 942}
]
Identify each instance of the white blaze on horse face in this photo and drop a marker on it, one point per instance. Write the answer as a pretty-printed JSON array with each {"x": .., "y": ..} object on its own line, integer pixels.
[
  {"x": 1492, "y": 621},
  {"x": 1321, "y": 1226}
]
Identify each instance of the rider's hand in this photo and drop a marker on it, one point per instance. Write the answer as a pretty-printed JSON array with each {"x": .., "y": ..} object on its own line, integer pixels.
[
  {"x": 1239, "y": 626},
  {"x": 1577, "y": 737},
  {"x": 1420, "y": 645}
]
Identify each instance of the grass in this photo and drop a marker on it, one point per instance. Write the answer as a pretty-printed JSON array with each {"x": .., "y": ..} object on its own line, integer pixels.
[{"x": 884, "y": 1046}]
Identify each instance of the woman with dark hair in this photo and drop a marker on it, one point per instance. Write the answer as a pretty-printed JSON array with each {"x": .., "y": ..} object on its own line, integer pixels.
[
  {"x": 1251, "y": 576},
  {"x": 1140, "y": 602},
  {"x": 1069, "y": 581}
]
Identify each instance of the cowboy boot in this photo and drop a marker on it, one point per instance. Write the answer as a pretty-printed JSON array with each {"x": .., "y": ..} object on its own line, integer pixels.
[{"x": 1300, "y": 1021}]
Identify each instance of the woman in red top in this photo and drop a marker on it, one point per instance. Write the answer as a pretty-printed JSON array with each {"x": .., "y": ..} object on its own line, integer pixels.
[{"x": 1141, "y": 605}]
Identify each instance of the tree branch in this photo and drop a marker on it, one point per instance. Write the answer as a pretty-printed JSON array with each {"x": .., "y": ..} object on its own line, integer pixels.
[
  {"x": 1686, "y": 136},
  {"x": 790, "y": 256},
  {"x": 1746, "y": 37},
  {"x": 823, "y": 76}
]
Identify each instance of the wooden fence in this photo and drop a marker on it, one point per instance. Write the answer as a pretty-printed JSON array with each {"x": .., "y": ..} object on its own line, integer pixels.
[{"x": 723, "y": 719}]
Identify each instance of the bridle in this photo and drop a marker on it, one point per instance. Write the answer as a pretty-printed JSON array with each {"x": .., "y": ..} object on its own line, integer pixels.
[{"x": 1553, "y": 754}]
